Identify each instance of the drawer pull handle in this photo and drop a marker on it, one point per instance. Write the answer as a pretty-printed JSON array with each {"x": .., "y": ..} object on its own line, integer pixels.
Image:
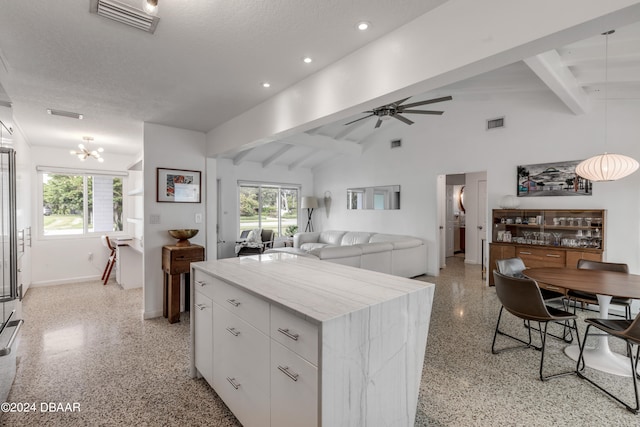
[
  {"x": 525, "y": 253},
  {"x": 233, "y": 332},
  {"x": 201, "y": 283},
  {"x": 285, "y": 370},
  {"x": 233, "y": 302},
  {"x": 233, "y": 382},
  {"x": 288, "y": 334},
  {"x": 201, "y": 306},
  {"x": 553, "y": 256},
  {"x": 552, "y": 288}
]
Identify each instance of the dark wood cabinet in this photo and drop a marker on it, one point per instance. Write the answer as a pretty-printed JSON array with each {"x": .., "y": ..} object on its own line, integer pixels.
[{"x": 546, "y": 237}]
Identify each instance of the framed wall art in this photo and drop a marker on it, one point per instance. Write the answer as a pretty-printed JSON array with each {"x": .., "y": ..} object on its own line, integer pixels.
[
  {"x": 552, "y": 179},
  {"x": 178, "y": 186}
]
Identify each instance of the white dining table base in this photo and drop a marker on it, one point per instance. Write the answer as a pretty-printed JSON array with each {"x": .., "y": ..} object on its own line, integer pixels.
[{"x": 600, "y": 356}]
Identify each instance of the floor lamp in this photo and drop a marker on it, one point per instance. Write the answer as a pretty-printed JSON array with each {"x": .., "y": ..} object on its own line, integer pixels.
[{"x": 309, "y": 202}]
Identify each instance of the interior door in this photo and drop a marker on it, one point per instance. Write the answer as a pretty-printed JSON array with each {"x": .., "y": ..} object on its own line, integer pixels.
[
  {"x": 450, "y": 221},
  {"x": 442, "y": 246},
  {"x": 482, "y": 220}
]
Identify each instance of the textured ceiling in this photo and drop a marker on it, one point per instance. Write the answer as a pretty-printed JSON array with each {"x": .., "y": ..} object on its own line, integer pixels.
[
  {"x": 204, "y": 64},
  {"x": 207, "y": 59}
]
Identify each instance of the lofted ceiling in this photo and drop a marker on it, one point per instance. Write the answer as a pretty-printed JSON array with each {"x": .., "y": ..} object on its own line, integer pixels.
[{"x": 206, "y": 63}]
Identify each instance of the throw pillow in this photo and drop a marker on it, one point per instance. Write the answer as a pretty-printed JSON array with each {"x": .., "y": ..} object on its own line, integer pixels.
[{"x": 255, "y": 236}]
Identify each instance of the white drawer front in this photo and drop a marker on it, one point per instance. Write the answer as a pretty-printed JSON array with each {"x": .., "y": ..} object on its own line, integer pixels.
[
  {"x": 294, "y": 389},
  {"x": 250, "y": 308},
  {"x": 295, "y": 333},
  {"x": 203, "y": 283},
  {"x": 241, "y": 367},
  {"x": 203, "y": 331}
]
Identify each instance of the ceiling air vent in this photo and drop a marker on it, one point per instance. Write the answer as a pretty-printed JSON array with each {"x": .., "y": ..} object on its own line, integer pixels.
[
  {"x": 396, "y": 143},
  {"x": 124, "y": 14},
  {"x": 495, "y": 123},
  {"x": 64, "y": 114}
]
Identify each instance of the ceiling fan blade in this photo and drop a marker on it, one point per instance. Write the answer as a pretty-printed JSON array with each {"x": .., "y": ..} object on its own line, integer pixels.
[
  {"x": 429, "y": 101},
  {"x": 361, "y": 118},
  {"x": 397, "y": 103},
  {"x": 438, "y": 113},
  {"x": 378, "y": 123},
  {"x": 402, "y": 119}
]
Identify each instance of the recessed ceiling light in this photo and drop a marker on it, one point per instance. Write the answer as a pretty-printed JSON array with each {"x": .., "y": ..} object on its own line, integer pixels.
[
  {"x": 364, "y": 25},
  {"x": 307, "y": 60},
  {"x": 266, "y": 84}
]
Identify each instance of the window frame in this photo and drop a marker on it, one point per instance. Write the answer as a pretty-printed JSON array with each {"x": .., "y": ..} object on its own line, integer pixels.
[
  {"x": 86, "y": 234},
  {"x": 260, "y": 184}
]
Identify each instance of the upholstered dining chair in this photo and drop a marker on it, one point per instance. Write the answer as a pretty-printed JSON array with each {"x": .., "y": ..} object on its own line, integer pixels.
[
  {"x": 627, "y": 330},
  {"x": 514, "y": 267},
  {"x": 111, "y": 261},
  {"x": 522, "y": 298},
  {"x": 587, "y": 298}
]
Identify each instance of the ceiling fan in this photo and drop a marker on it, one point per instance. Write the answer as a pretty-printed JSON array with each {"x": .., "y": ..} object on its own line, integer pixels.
[{"x": 395, "y": 109}]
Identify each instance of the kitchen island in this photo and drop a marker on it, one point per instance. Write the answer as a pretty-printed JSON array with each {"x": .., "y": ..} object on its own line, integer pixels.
[{"x": 292, "y": 341}]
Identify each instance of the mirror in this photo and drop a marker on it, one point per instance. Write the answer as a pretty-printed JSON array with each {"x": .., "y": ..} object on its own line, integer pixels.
[{"x": 378, "y": 198}]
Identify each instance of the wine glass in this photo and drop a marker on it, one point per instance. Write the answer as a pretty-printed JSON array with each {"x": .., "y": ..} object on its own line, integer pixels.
[
  {"x": 556, "y": 238},
  {"x": 527, "y": 237}
]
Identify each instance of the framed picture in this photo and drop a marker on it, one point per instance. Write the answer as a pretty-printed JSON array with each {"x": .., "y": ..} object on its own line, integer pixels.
[
  {"x": 178, "y": 186},
  {"x": 552, "y": 179}
]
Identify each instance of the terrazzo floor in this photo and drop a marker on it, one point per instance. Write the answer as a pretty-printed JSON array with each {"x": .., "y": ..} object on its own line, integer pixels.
[{"x": 87, "y": 344}]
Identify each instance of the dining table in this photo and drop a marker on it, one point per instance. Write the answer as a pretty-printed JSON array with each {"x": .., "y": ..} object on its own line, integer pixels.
[{"x": 605, "y": 284}]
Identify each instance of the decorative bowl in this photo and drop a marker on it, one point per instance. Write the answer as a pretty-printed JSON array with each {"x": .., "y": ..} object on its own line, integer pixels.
[{"x": 183, "y": 235}]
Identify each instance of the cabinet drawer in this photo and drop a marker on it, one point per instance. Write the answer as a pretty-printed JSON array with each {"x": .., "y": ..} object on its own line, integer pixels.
[
  {"x": 203, "y": 334},
  {"x": 241, "y": 367},
  {"x": 203, "y": 283},
  {"x": 244, "y": 305},
  {"x": 178, "y": 260},
  {"x": 534, "y": 257},
  {"x": 295, "y": 333},
  {"x": 294, "y": 389}
]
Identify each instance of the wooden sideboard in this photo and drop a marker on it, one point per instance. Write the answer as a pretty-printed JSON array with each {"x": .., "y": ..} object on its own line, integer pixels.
[
  {"x": 547, "y": 237},
  {"x": 292, "y": 341}
]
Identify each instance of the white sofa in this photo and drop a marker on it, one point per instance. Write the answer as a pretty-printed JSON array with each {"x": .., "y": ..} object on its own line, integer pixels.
[{"x": 404, "y": 256}]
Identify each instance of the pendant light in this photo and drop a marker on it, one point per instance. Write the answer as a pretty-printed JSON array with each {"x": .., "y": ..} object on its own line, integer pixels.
[
  {"x": 607, "y": 166},
  {"x": 150, "y": 6}
]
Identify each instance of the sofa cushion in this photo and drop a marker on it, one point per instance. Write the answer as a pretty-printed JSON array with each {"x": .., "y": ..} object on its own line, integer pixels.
[
  {"x": 355, "y": 238},
  {"x": 372, "y": 248},
  {"x": 398, "y": 242},
  {"x": 331, "y": 237},
  {"x": 311, "y": 246},
  {"x": 332, "y": 252}
]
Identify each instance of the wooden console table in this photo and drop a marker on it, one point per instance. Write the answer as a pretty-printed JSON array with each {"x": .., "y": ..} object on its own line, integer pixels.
[{"x": 176, "y": 260}]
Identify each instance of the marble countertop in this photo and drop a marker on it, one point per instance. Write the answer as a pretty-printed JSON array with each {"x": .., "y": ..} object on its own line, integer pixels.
[{"x": 317, "y": 290}]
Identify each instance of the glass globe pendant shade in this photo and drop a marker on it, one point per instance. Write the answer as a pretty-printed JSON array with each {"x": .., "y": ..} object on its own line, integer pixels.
[
  {"x": 606, "y": 167},
  {"x": 150, "y": 6}
]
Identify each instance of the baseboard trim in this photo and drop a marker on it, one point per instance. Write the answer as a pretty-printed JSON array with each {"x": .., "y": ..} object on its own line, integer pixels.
[
  {"x": 151, "y": 314},
  {"x": 45, "y": 283}
]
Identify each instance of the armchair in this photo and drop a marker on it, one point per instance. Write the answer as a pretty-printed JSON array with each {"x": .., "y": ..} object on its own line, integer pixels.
[{"x": 254, "y": 242}]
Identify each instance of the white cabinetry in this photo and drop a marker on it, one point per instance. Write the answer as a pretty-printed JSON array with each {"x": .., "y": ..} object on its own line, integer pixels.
[
  {"x": 299, "y": 342},
  {"x": 203, "y": 313}
]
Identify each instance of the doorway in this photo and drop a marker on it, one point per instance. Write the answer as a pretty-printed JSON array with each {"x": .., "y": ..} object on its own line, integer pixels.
[{"x": 462, "y": 213}]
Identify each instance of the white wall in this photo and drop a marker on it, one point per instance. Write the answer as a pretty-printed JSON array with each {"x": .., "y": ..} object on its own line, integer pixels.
[
  {"x": 167, "y": 147},
  {"x": 65, "y": 259},
  {"x": 250, "y": 171},
  {"x": 538, "y": 129}
]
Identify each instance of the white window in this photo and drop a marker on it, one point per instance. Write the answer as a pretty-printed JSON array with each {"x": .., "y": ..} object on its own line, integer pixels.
[
  {"x": 79, "y": 203},
  {"x": 269, "y": 206}
]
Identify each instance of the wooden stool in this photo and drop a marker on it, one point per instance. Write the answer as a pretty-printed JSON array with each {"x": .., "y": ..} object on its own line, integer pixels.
[{"x": 176, "y": 260}]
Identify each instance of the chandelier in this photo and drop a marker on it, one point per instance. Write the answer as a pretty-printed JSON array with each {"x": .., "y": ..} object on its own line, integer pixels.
[
  {"x": 84, "y": 153},
  {"x": 607, "y": 166}
]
